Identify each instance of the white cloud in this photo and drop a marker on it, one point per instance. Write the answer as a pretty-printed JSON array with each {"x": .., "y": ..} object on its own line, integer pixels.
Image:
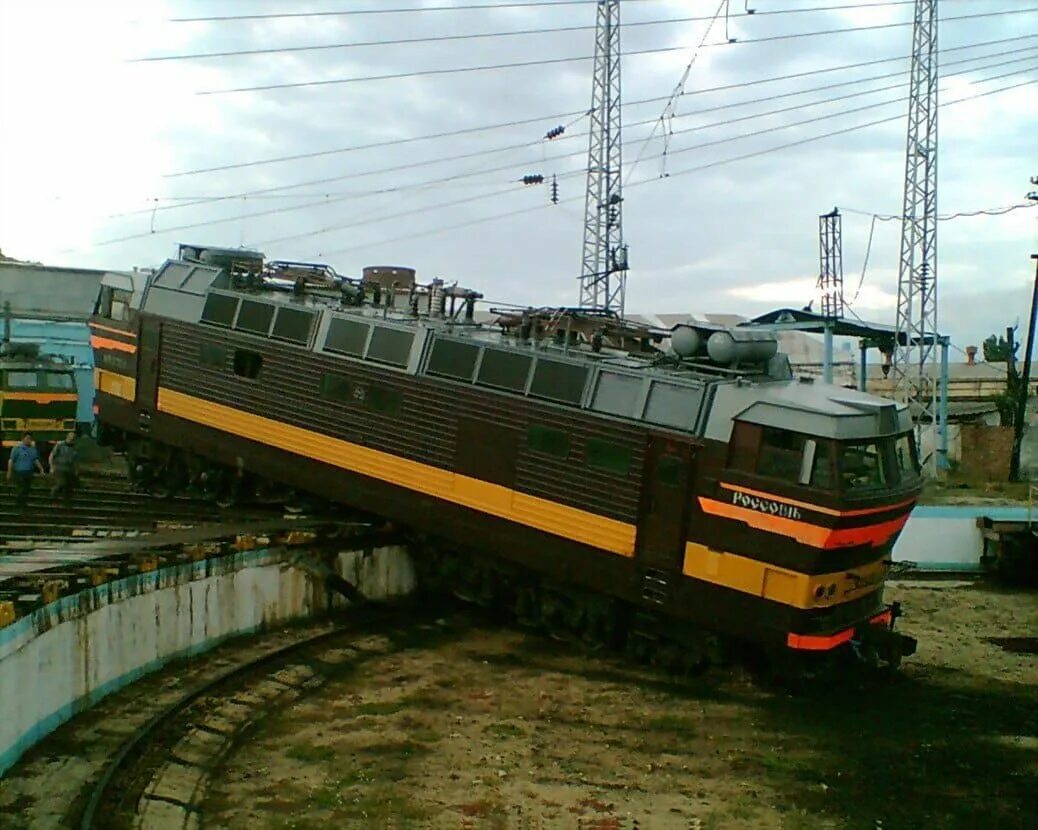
[{"x": 86, "y": 135}]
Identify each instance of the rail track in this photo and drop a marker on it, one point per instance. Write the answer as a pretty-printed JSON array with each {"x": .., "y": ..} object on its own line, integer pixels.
[
  {"x": 104, "y": 507},
  {"x": 159, "y": 776},
  {"x": 52, "y": 548}
]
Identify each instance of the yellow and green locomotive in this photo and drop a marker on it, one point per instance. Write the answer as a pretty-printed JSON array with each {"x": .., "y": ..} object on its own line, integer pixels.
[
  {"x": 37, "y": 393},
  {"x": 566, "y": 463}
]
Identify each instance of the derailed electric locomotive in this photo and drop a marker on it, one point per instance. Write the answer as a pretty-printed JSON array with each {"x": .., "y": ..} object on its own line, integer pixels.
[{"x": 567, "y": 464}]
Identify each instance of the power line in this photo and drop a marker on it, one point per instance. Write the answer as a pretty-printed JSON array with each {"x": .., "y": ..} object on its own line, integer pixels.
[
  {"x": 512, "y": 5},
  {"x": 865, "y": 263},
  {"x": 554, "y": 116},
  {"x": 679, "y": 89},
  {"x": 275, "y": 50},
  {"x": 843, "y": 131},
  {"x": 411, "y": 41},
  {"x": 356, "y": 12},
  {"x": 510, "y": 166},
  {"x": 944, "y": 217},
  {"x": 686, "y": 171},
  {"x": 947, "y": 217},
  {"x": 549, "y": 61},
  {"x": 644, "y": 181}
]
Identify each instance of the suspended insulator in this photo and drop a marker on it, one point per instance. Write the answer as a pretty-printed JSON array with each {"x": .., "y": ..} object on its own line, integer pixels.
[
  {"x": 554, "y": 190},
  {"x": 554, "y": 132},
  {"x": 533, "y": 178}
]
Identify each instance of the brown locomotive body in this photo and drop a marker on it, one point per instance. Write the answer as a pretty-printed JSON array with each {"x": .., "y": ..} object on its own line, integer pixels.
[{"x": 656, "y": 495}]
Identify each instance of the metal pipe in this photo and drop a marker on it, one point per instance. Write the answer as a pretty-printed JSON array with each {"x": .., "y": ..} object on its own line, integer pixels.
[
  {"x": 942, "y": 409},
  {"x": 7, "y": 328},
  {"x": 827, "y": 361},
  {"x": 863, "y": 349}
]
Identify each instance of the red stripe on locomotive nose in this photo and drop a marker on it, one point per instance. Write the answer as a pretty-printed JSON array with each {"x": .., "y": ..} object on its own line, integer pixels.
[{"x": 814, "y": 642}]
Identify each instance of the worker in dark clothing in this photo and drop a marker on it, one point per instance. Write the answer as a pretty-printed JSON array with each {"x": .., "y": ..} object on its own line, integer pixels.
[
  {"x": 23, "y": 463},
  {"x": 63, "y": 467}
]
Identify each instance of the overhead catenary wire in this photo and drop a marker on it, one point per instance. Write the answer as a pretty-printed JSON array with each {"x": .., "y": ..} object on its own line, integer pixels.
[
  {"x": 706, "y": 166},
  {"x": 686, "y": 171},
  {"x": 518, "y": 4},
  {"x": 676, "y": 93},
  {"x": 411, "y": 41},
  {"x": 946, "y": 217},
  {"x": 580, "y": 113},
  {"x": 557, "y": 157},
  {"x": 574, "y": 59},
  {"x": 701, "y": 145}
]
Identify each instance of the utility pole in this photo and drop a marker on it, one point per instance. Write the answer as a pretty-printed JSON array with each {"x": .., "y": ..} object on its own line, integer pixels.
[
  {"x": 603, "y": 275},
  {"x": 830, "y": 256},
  {"x": 1025, "y": 381},
  {"x": 915, "y": 356}
]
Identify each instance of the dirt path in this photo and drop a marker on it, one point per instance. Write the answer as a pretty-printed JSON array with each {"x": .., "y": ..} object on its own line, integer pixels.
[{"x": 501, "y": 729}]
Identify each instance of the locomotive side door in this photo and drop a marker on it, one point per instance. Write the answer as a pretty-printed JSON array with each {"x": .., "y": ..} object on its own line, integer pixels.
[
  {"x": 148, "y": 363},
  {"x": 667, "y": 481}
]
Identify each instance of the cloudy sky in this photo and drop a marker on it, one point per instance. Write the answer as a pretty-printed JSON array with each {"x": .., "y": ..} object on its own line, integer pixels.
[{"x": 91, "y": 143}]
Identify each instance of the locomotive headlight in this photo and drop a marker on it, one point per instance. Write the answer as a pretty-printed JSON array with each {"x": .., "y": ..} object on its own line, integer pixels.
[
  {"x": 820, "y": 592},
  {"x": 832, "y": 590}
]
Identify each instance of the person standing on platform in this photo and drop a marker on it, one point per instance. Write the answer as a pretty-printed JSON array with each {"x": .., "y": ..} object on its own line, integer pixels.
[
  {"x": 23, "y": 463},
  {"x": 63, "y": 467}
]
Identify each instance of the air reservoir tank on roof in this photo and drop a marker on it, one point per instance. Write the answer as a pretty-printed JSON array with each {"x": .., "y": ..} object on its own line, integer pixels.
[
  {"x": 733, "y": 346},
  {"x": 686, "y": 341}
]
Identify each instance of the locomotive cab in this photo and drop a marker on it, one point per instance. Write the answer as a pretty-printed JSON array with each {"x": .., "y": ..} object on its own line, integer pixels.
[{"x": 817, "y": 485}]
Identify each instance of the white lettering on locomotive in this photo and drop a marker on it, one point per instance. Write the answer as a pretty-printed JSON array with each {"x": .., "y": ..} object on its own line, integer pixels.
[{"x": 772, "y": 508}]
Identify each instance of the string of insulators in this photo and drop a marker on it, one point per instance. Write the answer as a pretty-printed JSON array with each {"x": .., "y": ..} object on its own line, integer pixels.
[
  {"x": 533, "y": 178},
  {"x": 554, "y": 189},
  {"x": 555, "y": 132}
]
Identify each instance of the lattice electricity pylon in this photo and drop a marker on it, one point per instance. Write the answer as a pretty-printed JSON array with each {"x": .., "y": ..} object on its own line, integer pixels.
[
  {"x": 830, "y": 256},
  {"x": 915, "y": 356},
  {"x": 603, "y": 274}
]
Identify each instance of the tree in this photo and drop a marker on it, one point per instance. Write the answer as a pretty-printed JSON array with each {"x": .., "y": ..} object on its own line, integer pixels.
[{"x": 996, "y": 349}]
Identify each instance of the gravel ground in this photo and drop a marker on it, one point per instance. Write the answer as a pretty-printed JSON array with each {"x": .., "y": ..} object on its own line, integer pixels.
[
  {"x": 502, "y": 729},
  {"x": 479, "y": 726}
]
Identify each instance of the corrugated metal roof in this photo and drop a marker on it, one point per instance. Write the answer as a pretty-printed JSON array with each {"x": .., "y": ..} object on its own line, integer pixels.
[{"x": 49, "y": 293}]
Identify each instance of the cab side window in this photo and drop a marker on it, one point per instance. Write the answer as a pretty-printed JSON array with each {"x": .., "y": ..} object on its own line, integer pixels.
[{"x": 781, "y": 454}]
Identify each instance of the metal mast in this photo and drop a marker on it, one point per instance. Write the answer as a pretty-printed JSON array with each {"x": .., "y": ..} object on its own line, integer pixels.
[
  {"x": 830, "y": 256},
  {"x": 604, "y": 269},
  {"x": 915, "y": 355}
]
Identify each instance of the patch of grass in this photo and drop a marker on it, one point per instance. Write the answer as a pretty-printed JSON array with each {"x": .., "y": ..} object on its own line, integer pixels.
[
  {"x": 492, "y": 813},
  {"x": 380, "y": 707},
  {"x": 427, "y": 699},
  {"x": 423, "y": 735},
  {"x": 788, "y": 764},
  {"x": 310, "y": 754},
  {"x": 395, "y": 749},
  {"x": 674, "y": 724},
  {"x": 382, "y": 806},
  {"x": 329, "y": 797},
  {"x": 505, "y": 730}
]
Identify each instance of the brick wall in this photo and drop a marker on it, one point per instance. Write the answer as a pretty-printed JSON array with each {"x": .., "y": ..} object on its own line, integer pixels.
[{"x": 986, "y": 451}]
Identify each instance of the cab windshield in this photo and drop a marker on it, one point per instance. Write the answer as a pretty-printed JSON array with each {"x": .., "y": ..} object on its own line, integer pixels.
[
  {"x": 823, "y": 463},
  {"x": 878, "y": 463}
]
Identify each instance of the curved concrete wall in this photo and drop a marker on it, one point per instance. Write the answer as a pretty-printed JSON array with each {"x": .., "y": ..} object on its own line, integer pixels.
[{"x": 66, "y": 656}]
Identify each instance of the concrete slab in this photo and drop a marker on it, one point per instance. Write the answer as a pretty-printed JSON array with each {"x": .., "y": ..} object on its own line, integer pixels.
[
  {"x": 200, "y": 748},
  {"x": 161, "y": 815},
  {"x": 177, "y": 783}
]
